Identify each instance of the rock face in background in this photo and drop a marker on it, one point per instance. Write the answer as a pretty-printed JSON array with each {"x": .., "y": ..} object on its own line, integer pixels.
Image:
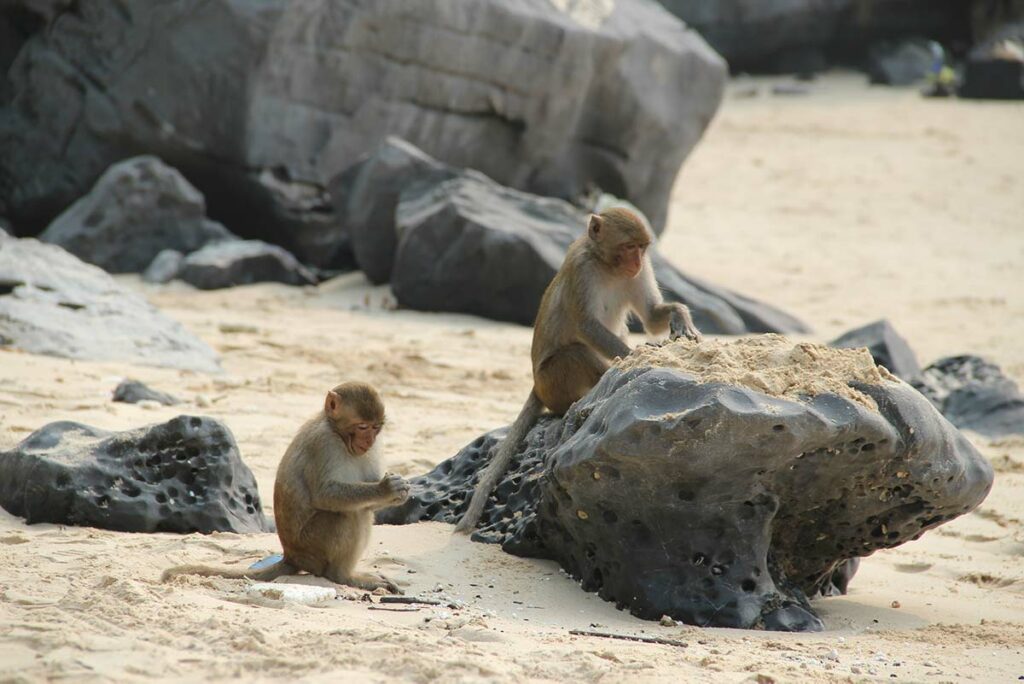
[
  {"x": 900, "y": 63},
  {"x": 885, "y": 345},
  {"x": 713, "y": 503},
  {"x": 137, "y": 208},
  {"x": 242, "y": 262},
  {"x": 612, "y": 95},
  {"x": 133, "y": 391},
  {"x": 52, "y": 303},
  {"x": 794, "y": 35},
  {"x": 470, "y": 245},
  {"x": 975, "y": 395},
  {"x": 181, "y": 476}
]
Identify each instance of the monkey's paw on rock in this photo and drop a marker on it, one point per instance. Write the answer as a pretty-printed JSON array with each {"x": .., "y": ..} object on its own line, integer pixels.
[
  {"x": 184, "y": 475},
  {"x": 721, "y": 484}
]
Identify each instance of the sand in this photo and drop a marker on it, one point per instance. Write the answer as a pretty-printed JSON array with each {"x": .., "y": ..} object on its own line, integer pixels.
[
  {"x": 843, "y": 206},
  {"x": 771, "y": 364}
]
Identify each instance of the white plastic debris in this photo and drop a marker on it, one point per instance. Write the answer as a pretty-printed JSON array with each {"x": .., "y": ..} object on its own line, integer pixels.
[{"x": 295, "y": 593}]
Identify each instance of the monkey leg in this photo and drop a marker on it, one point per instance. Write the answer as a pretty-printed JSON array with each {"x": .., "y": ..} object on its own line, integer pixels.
[{"x": 567, "y": 375}]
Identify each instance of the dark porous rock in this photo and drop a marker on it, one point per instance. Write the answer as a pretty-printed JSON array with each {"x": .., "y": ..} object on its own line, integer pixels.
[
  {"x": 133, "y": 391},
  {"x": 52, "y": 303},
  {"x": 470, "y": 245},
  {"x": 974, "y": 395},
  {"x": 242, "y": 262},
  {"x": 184, "y": 475},
  {"x": 164, "y": 267},
  {"x": 547, "y": 97},
  {"x": 902, "y": 62},
  {"x": 366, "y": 196},
  {"x": 885, "y": 345},
  {"x": 137, "y": 208},
  {"x": 672, "y": 493}
]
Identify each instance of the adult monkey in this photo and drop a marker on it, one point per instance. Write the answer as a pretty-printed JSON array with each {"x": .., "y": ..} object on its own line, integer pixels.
[
  {"x": 328, "y": 485},
  {"x": 581, "y": 328}
]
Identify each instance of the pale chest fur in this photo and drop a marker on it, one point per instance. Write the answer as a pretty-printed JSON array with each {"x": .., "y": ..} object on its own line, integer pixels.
[
  {"x": 365, "y": 468},
  {"x": 612, "y": 301}
]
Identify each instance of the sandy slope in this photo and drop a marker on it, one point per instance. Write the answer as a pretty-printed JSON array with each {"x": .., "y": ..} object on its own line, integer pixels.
[{"x": 842, "y": 206}]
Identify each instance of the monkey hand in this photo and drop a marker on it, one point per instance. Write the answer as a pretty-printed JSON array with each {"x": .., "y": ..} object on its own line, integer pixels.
[
  {"x": 678, "y": 328},
  {"x": 394, "y": 488}
]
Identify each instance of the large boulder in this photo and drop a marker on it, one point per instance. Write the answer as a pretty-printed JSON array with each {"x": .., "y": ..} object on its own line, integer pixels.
[
  {"x": 885, "y": 345},
  {"x": 974, "y": 394},
  {"x": 242, "y": 262},
  {"x": 903, "y": 62},
  {"x": 137, "y": 208},
  {"x": 473, "y": 246},
  {"x": 721, "y": 483},
  {"x": 366, "y": 196},
  {"x": 548, "y": 97},
  {"x": 184, "y": 475},
  {"x": 52, "y": 303}
]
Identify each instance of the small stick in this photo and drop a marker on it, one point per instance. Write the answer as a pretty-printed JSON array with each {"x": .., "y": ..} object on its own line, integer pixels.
[
  {"x": 399, "y": 609},
  {"x": 410, "y": 599},
  {"x": 629, "y": 637}
]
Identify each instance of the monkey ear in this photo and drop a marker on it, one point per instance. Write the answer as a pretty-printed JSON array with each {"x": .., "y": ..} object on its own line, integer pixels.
[
  {"x": 594, "y": 227},
  {"x": 332, "y": 405}
]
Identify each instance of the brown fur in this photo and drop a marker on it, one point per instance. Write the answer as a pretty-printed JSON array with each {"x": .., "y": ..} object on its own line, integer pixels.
[
  {"x": 325, "y": 495},
  {"x": 581, "y": 328}
]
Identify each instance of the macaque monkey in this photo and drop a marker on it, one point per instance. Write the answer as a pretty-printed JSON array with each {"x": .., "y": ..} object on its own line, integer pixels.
[
  {"x": 581, "y": 328},
  {"x": 328, "y": 485}
]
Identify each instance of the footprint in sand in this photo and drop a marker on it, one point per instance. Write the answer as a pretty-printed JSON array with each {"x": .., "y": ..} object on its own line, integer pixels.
[{"x": 983, "y": 579}]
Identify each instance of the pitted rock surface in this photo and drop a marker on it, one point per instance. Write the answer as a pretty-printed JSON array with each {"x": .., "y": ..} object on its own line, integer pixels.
[
  {"x": 184, "y": 475},
  {"x": 711, "y": 502},
  {"x": 974, "y": 394}
]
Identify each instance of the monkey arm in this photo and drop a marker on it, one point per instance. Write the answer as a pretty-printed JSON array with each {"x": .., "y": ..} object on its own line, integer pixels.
[
  {"x": 601, "y": 339},
  {"x": 346, "y": 497}
]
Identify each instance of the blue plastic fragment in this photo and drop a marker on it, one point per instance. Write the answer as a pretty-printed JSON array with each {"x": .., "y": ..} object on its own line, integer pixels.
[{"x": 266, "y": 562}]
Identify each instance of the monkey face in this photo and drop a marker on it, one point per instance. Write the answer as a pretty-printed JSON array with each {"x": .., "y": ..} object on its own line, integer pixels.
[
  {"x": 629, "y": 259},
  {"x": 361, "y": 437}
]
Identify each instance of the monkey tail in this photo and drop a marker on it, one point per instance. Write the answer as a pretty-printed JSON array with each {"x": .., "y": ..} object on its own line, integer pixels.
[
  {"x": 273, "y": 571},
  {"x": 499, "y": 464}
]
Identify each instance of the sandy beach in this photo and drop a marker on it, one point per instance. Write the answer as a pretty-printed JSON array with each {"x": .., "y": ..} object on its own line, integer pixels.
[{"x": 841, "y": 206}]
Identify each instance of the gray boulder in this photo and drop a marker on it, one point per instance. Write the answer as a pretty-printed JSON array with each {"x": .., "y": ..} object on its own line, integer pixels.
[
  {"x": 366, "y": 196},
  {"x": 470, "y": 245},
  {"x": 552, "y": 98},
  {"x": 132, "y": 392},
  {"x": 885, "y": 345},
  {"x": 974, "y": 394},
  {"x": 242, "y": 262},
  {"x": 137, "y": 208},
  {"x": 184, "y": 476},
  {"x": 901, "y": 62},
  {"x": 671, "y": 493},
  {"x": 164, "y": 267},
  {"x": 52, "y": 303}
]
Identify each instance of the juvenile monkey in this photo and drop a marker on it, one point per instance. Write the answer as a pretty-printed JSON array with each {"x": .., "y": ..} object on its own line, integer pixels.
[
  {"x": 328, "y": 485},
  {"x": 581, "y": 327}
]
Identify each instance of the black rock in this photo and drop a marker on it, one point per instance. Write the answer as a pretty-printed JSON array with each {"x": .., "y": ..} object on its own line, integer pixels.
[
  {"x": 138, "y": 208},
  {"x": 52, "y": 303},
  {"x": 886, "y": 346},
  {"x": 366, "y": 195},
  {"x": 470, "y": 245},
  {"x": 993, "y": 79},
  {"x": 548, "y": 97},
  {"x": 902, "y": 62},
  {"x": 974, "y": 394},
  {"x": 713, "y": 503},
  {"x": 133, "y": 391},
  {"x": 242, "y": 262},
  {"x": 164, "y": 267},
  {"x": 184, "y": 475}
]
